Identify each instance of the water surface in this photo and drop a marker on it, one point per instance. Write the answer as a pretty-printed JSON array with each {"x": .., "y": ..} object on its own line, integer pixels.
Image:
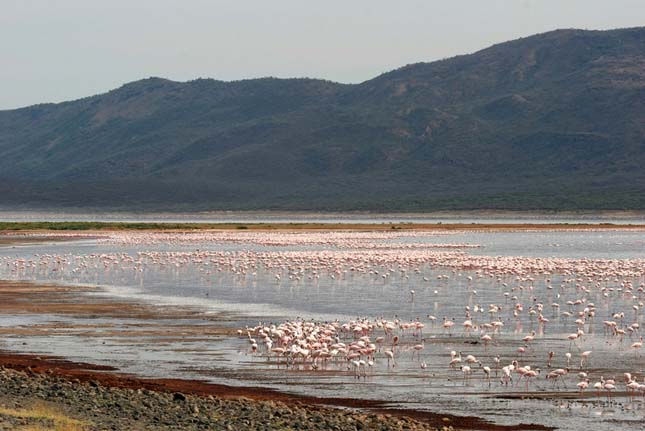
[{"x": 237, "y": 276}]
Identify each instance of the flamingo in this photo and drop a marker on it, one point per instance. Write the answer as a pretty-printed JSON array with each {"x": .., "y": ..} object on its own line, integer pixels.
[
  {"x": 486, "y": 339},
  {"x": 572, "y": 338},
  {"x": 637, "y": 346},
  {"x": 584, "y": 357},
  {"x": 529, "y": 338},
  {"x": 455, "y": 359},
  {"x": 447, "y": 325},
  {"x": 530, "y": 374},
  {"x": 550, "y": 359},
  {"x": 417, "y": 348},
  {"x": 583, "y": 385},
  {"x": 557, "y": 374},
  {"x": 390, "y": 356},
  {"x": 507, "y": 372},
  {"x": 609, "y": 387},
  {"x": 467, "y": 371},
  {"x": 598, "y": 387},
  {"x": 486, "y": 373},
  {"x": 632, "y": 387},
  {"x": 468, "y": 326},
  {"x": 471, "y": 359}
]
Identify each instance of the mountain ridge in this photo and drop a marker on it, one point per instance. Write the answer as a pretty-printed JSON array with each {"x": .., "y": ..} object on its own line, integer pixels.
[{"x": 551, "y": 121}]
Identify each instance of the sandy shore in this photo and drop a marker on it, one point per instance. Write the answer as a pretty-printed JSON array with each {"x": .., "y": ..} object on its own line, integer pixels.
[{"x": 25, "y": 298}]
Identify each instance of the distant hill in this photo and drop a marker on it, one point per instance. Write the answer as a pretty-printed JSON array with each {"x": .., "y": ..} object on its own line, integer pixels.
[{"x": 551, "y": 121}]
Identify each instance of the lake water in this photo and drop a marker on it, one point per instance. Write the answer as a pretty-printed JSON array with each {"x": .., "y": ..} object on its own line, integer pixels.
[{"x": 507, "y": 277}]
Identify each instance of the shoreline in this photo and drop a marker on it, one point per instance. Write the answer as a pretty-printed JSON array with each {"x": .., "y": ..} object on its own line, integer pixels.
[
  {"x": 28, "y": 298},
  {"x": 16, "y": 229},
  {"x": 95, "y": 375},
  {"x": 92, "y": 401}
]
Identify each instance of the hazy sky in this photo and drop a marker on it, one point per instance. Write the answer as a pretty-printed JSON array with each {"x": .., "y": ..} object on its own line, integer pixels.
[{"x": 55, "y": 50}]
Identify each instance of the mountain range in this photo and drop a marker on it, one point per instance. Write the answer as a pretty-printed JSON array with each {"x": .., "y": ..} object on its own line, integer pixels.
[{"x": 554, "y": 121}]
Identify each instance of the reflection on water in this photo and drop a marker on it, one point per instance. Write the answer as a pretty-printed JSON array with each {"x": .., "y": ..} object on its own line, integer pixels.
[{"x": 551, "y": 284}]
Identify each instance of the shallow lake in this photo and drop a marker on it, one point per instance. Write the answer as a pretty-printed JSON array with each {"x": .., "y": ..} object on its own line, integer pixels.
[{"x": 536, "y": 283}]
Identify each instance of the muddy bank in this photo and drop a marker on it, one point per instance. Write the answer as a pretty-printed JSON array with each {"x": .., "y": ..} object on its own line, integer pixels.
[{"x": 18, "y": 297}]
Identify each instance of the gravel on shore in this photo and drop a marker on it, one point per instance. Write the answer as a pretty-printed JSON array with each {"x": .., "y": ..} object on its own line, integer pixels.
[{"x": 97, "y": 407}]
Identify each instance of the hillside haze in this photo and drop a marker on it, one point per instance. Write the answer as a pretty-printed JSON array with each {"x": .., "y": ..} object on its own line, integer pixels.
[{"x": 551, "y": 121}]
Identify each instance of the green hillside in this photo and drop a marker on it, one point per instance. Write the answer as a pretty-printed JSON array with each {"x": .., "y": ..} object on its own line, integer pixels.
[{"x": 552, "y": 121}]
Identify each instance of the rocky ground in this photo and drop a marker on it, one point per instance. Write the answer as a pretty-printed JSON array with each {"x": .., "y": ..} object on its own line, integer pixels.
[{"x": 91, "y": 406}]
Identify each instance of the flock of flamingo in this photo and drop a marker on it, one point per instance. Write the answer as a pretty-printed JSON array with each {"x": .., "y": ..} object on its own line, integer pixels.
[
  {"x": 357, "y": 345},
  {"x": 502, "y": 322}
]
